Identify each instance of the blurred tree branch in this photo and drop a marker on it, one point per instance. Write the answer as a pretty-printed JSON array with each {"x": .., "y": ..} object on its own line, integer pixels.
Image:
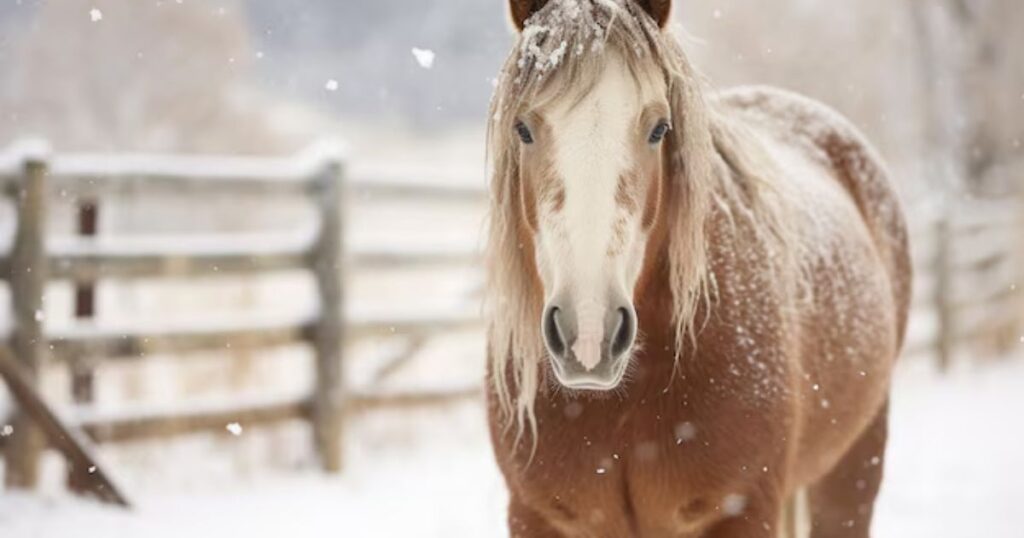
[
  {"x": 970, "y": 87},
  {"x": 145, "y": 76}
]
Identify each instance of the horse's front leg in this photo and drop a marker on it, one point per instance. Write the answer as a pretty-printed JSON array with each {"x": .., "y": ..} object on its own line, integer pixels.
[
  {"x": 761, "y": 518},
  {"x": 525, "y": 522}
]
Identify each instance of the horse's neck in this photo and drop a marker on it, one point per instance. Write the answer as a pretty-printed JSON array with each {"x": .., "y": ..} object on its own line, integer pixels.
[
  {"x": 655, "y": 309},
  {"x": 655, "y": 306}
]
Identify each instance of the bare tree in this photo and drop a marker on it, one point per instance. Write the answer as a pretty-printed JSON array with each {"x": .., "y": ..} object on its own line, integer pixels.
[
  {"x": 973, "y": 89},
  {"x": 157, "y": 76}
]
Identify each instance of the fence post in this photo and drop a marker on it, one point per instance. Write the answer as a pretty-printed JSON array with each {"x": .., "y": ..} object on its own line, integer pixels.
[
  {"x": 328, "y": 264},
  {"x": 82, "y": 372},
  {"x": 82, "y": 375},
  {"x": 28, "y": 268},
  {"x": 945, "y": 339}
]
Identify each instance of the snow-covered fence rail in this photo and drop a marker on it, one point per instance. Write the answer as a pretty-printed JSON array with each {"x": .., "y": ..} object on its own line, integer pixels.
[
  {"x": 967, "y": 293},
  {"x": 30, "y": 175}
]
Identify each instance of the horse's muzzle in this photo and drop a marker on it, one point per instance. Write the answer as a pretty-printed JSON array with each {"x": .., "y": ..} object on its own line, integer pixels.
[{"x": 588, "y": 344}]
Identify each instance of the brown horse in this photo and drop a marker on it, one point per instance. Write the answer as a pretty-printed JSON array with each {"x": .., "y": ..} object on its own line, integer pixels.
[{"x": 696, "y": 301}]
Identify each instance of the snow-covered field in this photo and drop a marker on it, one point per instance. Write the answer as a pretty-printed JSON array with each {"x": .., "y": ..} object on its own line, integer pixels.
[{"x": 955, "y": 470}]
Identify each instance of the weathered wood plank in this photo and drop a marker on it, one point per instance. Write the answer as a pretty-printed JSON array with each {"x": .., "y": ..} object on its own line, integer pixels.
[
  {"x": 85, "y": 261},
  {"x": 945, "y": 314},
  {"x": 399, "y": 359},
  {"x": 99, "y": 174},
  {"x": 328, "y": 333},
  {"x": 136, "y": 342},
  {"x": 83, "y": 379},
  {"x": 143, "y": 257},
  {"x": 413, "y": 399},
  {"x": 28, "y": 275},
  {"x": 392, "y": 325},
  {"x": 89, "y": 474},
  {"x": 172, "y": 422},
  {"x": 83, "y": 373}
]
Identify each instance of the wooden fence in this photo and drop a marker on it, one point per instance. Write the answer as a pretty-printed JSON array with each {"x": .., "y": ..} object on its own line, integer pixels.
[
  {"x": 968, "y": 267},
  {"x": 31, "y": 176}
]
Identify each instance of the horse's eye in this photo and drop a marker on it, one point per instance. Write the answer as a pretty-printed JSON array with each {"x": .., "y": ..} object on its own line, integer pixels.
[
  {"x": 659, "y": 132},
  {"x": 524, "y": 133}
]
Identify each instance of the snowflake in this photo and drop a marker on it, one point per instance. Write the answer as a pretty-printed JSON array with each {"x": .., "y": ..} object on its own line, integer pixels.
[
  {"x": 685, "y": 431},
  {"x": 424, "y": 57},
  {"x": 734, "y": 504}
]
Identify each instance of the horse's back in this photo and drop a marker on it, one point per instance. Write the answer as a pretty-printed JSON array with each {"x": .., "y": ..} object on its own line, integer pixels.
[
  {"x": 856, "y": 259},
  {"x": 828, "y": 139}
]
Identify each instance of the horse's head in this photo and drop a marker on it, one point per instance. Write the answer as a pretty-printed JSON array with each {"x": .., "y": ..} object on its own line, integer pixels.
[{"x": 588, "y": 143}]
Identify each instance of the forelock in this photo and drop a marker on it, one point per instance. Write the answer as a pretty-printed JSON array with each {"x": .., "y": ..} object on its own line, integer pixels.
[{"x": 562, "y": 50}]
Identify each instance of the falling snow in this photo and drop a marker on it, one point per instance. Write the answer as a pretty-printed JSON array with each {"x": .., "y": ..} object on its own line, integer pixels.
[
  {"x": 917, "y": 499},
  {"x": 685, "y": 431},
  {"x": 734, "y": 504},
  {"x": 424, "y": 57}
]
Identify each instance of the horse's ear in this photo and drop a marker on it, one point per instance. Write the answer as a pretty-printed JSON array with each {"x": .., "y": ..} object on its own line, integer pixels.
[
  {"x": 659, "y": 10},
  {"x": 524, "y": 9}
]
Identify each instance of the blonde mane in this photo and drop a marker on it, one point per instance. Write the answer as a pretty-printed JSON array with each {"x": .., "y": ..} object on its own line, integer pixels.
[{"x": 715, "y": 167}]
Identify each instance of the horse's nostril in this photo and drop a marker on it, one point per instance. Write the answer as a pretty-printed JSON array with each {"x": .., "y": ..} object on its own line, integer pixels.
[
  {"x": 553, "y": 333},
  {"x": 622, "y": 338}
]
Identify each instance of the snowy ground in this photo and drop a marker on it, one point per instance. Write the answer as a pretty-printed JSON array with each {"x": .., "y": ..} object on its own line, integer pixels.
[
  {"x": 955, "y": 470},
  {"x": 956, "y": 459}
]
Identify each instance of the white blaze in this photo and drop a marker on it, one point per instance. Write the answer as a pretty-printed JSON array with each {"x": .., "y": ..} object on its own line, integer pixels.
[{"x": 594, "y": 142}]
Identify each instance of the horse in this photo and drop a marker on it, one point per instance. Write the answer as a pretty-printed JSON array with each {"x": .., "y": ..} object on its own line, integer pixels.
[{"x": 695, "y": 300}]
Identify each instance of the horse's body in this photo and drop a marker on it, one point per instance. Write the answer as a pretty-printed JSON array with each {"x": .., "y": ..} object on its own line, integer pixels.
[{"x": 784, "y": 384}]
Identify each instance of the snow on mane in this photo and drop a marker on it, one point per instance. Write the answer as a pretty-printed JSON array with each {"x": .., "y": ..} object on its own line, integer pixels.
[{"x": 546, "y": 38}]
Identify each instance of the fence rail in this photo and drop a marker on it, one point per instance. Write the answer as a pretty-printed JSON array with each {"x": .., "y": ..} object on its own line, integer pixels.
[
  {"x": 30, "y": 175},
  {"x": 967, "y": 259}
]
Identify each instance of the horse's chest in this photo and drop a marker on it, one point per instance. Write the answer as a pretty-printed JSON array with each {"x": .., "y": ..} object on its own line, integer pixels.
[{"x": 667, "y": 469}]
